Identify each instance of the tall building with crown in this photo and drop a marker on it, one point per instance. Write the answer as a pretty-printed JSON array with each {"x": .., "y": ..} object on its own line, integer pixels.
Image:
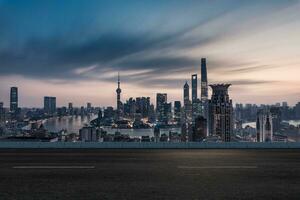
[
  {"x": 221, "y": 112},
  {"x": 186, "y": 94}
]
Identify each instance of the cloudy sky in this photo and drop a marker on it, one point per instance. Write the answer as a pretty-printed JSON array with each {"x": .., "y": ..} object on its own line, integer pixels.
[{"x": 74, "y": 49}]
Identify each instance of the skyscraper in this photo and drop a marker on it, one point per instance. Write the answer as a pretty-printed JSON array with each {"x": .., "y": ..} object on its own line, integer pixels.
[
  {"x": 297, "y": 110},
  {"x": 142, "y": 106},
  {"x": 264, "y": 126},
  {"x": 204, "y": 87},
  {"x": 2, "y": 112},
  {"x": 238, "y": 112},
  {"x": 119, "y": 103},
  {"x": 187, "y": 109},
  {"x": 197, "y": 109},
  {"x": 221, "y": 112},
  {"x": 70, "y": 109},
  {"x": 186, "y": 94},
  {"x": 196, "y": 103},
  {"x": 276, "y": 119},
  {"x": 152, "y": 116},
  {"x": 167, "y": 112},
  {"x": 161, "y": 99},
  {"x": 284, "y": 104},
  {"x": 99, "y": 119},
  {"x": 13, "y": 99},
  {"x": 186, "y": 117},
  {"x": 204, "y": 91},
  {"x": 194, "y": 88},
  {"x": 177, "y": 111},
  {"x": 50, "y": 105},
  {"x": 88, "y": 105}
]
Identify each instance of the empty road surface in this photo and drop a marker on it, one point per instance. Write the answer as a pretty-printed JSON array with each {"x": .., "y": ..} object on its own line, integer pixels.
[{"x": 149, "y": 174}]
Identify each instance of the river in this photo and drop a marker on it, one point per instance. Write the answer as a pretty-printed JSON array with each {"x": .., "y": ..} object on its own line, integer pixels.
[{"x": 73, "y": 123}]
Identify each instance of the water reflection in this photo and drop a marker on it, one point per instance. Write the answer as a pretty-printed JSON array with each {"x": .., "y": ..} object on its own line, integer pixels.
[
  {"x": 73, "y": 123},
  {"x": 291, "y": 122}
]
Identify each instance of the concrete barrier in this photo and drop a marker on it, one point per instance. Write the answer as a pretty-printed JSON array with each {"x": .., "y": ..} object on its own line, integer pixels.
[{"x": 151, "y": 145}]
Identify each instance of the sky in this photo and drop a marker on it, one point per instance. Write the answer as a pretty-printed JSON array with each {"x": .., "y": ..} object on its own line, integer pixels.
[{"x": 74, "y": 49}]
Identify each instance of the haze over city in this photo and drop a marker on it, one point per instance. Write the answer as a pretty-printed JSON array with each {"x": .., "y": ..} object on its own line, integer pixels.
[{"x": 74, "y": 49}]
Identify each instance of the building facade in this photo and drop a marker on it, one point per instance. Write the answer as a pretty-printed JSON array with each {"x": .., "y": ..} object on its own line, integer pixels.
[
  {"x": 2, "y": 113},
  {"x": 221, "y": 112},
  {"x": 204, "y": 85},
  {"x": 204, "y": 91},
  {"x": 186, "y": 94},
  {"x": 264, "y": 126},
  {"x": 88, "y": 134},
  {"x": 194, "y": 87},
  {"x": 276, "y": 119},
  {"x": 70, "y": 108},
  {"x": 177, "y": 112},
  {"x": 161, "y": 99},
  {"x": 50, "y": 105},
  {"x": 13, "y": 99}
]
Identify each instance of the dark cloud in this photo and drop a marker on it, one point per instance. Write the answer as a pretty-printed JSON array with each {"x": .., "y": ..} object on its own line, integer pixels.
[
  {"x": 56, "y": 57},
  {"x": 162, "y": 62}
]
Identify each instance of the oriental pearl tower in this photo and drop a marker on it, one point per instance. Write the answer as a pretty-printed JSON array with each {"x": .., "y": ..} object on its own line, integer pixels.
[{"x": 118, "y": 91}]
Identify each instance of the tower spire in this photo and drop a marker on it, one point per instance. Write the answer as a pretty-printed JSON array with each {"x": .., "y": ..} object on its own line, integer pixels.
[
  {"x": 119, "y": 103},
  {"x": 118, "y": 79}
]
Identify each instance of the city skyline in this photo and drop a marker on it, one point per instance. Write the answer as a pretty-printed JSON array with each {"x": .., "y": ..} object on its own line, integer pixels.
[
  {"x": 77, "y": 60},
  {"x": 145, "y": 99},
  {"x": 115, "y": 104}
]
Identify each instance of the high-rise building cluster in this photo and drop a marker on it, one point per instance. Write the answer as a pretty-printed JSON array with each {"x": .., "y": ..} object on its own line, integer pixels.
[
  {"x": 199, "y": 117},
  {"x": 270, "y": 119},
  {"x": 204, "y": 118}
]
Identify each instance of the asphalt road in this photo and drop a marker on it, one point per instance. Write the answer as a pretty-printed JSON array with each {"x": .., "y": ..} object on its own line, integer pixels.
[{"x": 149, "y": 174}]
